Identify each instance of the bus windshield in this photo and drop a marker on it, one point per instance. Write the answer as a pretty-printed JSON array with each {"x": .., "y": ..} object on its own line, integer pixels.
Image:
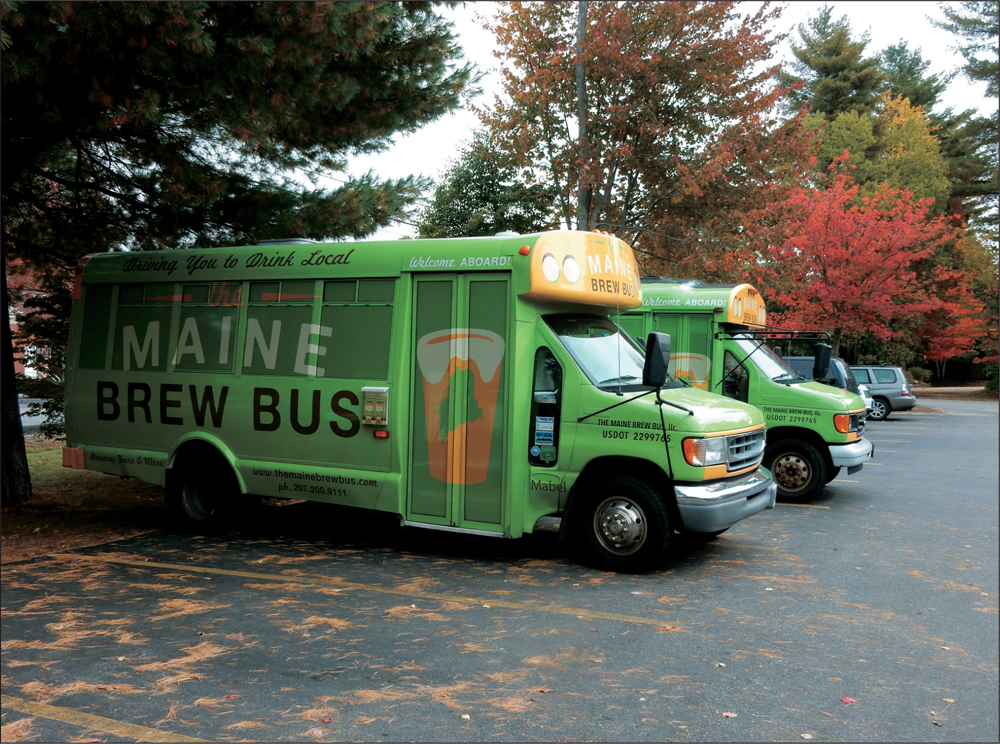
[
  {"x": 769, "y": 363},
  {"x": 604, "y": 352}
]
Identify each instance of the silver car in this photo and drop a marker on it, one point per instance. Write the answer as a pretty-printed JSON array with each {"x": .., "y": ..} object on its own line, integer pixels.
[{"x": 889, "y": 388}]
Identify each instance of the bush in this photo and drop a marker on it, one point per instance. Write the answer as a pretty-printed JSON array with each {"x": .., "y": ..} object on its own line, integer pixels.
[
  {"x": 992, "y": 375},
  {"x": 919, "y": 375}
]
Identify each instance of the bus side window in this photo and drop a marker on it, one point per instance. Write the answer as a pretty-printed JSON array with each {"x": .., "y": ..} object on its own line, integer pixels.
[
  {"x": 358, "y": 314},
  {"x": 142, "y": 327},
  {"x": 280, "y": 338},
  {"x": 735, "y": 381},
  {"x": 96, "y": 317},
  {"x": 546, "y": 399},
  {"x": 205, "y": 338}
]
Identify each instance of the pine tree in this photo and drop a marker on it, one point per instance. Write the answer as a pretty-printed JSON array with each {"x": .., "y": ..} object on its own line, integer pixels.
[
  {"x": 835, "y": 75},
  {"x": 977, "y": 22},
  {"x": 906, "y": 76},
  {"x": 479, "y": 196}
]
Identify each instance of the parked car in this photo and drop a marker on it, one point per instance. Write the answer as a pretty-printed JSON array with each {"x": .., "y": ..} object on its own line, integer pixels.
[
  {"x": 889, "y": 387},
  {"x": 838, "y": 374},
  {"x": 866, "y": 396}
]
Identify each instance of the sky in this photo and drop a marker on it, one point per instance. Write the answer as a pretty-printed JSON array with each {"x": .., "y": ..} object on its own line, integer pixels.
[{"x": 430, "y": 150}]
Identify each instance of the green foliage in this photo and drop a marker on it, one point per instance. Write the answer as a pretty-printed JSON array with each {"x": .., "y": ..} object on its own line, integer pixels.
[
  {"x": 478, "y": 196},
  {"x": 978, "y": 23},
  {"x": 894, "y": 144},
  {"x": 849, "y": 132},
  {"x": 865, "y": 348},
  {"x": 906, "y": 76},
  {"x": 173, "y": 121},
  {"x": 835, "y": 75},
  {"x": 42, "y": 338},
  {"x": 838, "y": 82},
  {"x": 920, "y": 375},
  {"x": 992, "y": 377}
]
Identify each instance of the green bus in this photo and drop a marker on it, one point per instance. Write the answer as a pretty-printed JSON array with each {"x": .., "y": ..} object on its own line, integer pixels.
[
  {"x": 476, "y": 385},
  {"x": 718, "y": 333}
]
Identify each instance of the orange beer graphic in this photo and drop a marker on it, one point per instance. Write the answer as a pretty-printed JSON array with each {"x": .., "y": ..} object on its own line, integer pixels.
[
  {"x": 460, "y": 455},
  {"x": 692, "y": 367}
]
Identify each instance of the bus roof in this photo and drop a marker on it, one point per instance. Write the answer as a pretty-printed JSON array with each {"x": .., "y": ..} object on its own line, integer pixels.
[
  {"x": 742, "y": 304},
  {"x": 567, "y": 266}
]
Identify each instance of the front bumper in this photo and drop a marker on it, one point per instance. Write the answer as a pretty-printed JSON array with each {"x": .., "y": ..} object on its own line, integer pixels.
[
  {"x": 852, "y": 455},
  {"x": 717, "y": 506}
]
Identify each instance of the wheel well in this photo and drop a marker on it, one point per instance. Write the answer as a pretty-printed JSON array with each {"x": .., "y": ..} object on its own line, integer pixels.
[
  {"x": 884, "y": 400},
  {"x": 601, "y": 467},
  {"x": 780, "y": 433},
  {"x": 205, "y": 454}
]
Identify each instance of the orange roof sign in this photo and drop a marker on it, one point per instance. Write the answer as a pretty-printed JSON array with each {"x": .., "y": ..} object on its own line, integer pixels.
[{"x": 589, "y": 268}]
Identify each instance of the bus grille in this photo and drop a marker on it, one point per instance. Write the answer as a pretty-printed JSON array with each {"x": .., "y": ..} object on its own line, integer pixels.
[
  {"x": 745, "y": 449},
  {"x": 858, "y": 422}
]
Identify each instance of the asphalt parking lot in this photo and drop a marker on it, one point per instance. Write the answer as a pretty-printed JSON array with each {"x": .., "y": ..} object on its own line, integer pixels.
[{"x": 869, "y": 614}]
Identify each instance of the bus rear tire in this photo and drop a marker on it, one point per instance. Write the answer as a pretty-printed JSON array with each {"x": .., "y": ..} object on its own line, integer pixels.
[
  {"x": 201, "y": 494},
  {"x": 626, "y": 526},
  {"x": 798, "y": 468}
]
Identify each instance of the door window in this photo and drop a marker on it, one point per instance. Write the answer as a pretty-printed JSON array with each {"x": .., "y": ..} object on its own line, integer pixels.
[
  {"x": 735, "y": 379},
  {"x": 546, "y": 397}
]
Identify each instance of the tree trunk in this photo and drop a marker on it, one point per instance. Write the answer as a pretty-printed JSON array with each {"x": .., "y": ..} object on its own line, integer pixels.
[
  {"x": 940, "y": 365},
  {"x": 15, "y": 480},
  {"x": 835, "y": 344},
  {"x": 582, "y": 152}
]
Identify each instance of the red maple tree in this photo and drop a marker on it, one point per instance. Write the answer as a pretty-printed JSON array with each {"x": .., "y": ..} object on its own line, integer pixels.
[
  {"x": 956, "y": 326},
  {"x": 850, "y": 264}
]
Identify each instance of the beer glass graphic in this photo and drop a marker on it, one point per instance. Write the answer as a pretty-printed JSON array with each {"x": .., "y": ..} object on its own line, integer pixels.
[
  {"x": 692, "y": 367},
  {"x": 460, "y": 455}
]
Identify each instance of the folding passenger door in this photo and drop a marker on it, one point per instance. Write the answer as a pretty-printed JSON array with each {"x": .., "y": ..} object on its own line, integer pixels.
[{"x": 459, "y": 401}]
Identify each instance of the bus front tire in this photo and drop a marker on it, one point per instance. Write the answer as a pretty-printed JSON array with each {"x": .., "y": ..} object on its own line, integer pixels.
[
  {"x": 798, "y": 468},
  {"x": 626, "y": 526}
]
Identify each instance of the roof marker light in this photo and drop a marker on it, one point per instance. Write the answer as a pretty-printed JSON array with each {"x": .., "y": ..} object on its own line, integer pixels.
[
  {"x": 571, "y": 270},
  {"x": 524, "y": 250},
  {"x": 550, "y": 268}
]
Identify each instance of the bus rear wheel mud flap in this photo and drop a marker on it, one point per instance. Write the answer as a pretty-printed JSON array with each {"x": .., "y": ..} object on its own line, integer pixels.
[
  {"x": 799, "y": 469},
  {"x": 624, "y": 525}
]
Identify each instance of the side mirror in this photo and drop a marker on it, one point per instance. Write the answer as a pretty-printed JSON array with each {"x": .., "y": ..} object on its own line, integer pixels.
[
  {"x": 821, "y": 366},
  {"x": 654, "y": 371},
  {"x": 777, "y": 351}
]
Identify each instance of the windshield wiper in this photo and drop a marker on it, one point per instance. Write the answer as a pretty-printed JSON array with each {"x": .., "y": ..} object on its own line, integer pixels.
[
  {"x": 618, "y": 379},
  {"x": 794, "y": 376}
]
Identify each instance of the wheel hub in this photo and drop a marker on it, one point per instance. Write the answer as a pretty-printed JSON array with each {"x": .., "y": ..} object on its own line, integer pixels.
[
  {"x": 792, "y": 472},
  {"x": 620, "y": 525},
  {"x": 197, "y": 506}
]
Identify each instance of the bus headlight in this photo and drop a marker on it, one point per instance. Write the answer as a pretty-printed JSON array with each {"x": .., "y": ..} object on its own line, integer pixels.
[{"x": 704, "y": 452}]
